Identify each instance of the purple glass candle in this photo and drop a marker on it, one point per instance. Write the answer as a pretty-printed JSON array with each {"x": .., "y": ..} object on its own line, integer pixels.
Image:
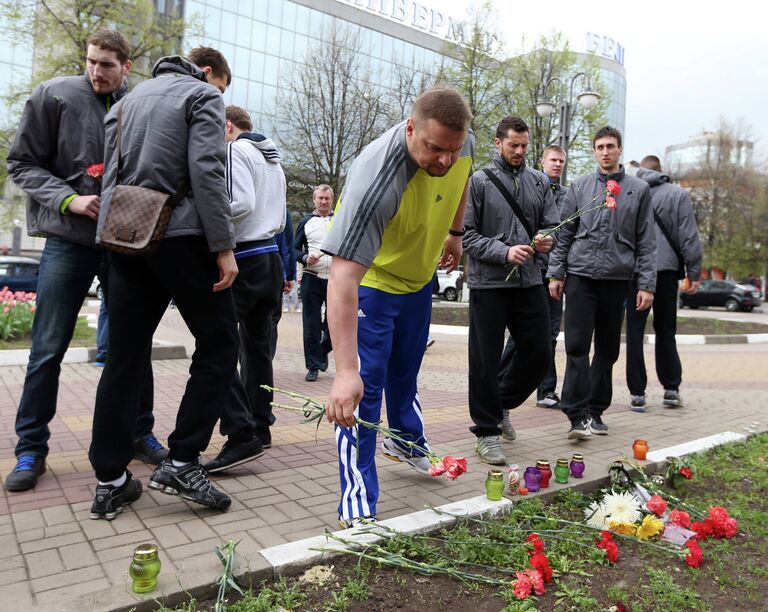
[
  {"x": 532, "y": 477},
  {"x": 577, "y": 465}
]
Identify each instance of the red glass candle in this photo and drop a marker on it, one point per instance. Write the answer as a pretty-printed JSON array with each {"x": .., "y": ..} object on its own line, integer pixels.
[{"x": 546, "y": 472}]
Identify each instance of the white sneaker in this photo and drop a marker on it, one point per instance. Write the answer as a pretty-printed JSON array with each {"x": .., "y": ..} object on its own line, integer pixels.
[
  {"x": 393, "y": 452},
  {"x": 358, "y": 521}
]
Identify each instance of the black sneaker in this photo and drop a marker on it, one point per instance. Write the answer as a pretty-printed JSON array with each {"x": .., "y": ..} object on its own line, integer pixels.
[
  {"x": 149, "y": 450},
  {"x": 109, "y": 501},
  {"x": 637, "y": 403},
  {"x": 235, "y": 453},
  {"x": 579, "y": 430},
  {"x": 263, "y": 434},
  {"x": 550, "y": 400},
  {"x": 672, "y": 399},
  {"x": 24, "y": 476},
  {"x": 190, "y": 482},
  {"x": 596, "y": 425},
  {"x": 311, "y": 376}
]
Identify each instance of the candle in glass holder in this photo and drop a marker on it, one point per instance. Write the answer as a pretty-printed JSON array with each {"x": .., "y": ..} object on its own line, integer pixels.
[
  {"x": 494, "y": 485},
  {"x": 532, "y": 478},
  {"x": 577, "y": 465},
  {"x": 562, "y": 471},
  {"x": 640, "y": 449},
  {"x": 514, "y": 479},
  {"x": 144, "y": 569},
  {"x": 546, "y": 472}
]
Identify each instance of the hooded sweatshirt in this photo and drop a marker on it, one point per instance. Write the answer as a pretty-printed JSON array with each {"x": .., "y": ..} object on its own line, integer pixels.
[{"x": 255, "y": 187}]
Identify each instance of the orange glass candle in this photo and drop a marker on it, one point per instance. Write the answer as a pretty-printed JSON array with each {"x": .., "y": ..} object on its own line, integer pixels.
[{"x": 640, "y": 448}]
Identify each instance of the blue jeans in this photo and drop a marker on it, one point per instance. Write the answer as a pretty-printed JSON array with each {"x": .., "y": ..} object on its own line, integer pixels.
[
  {"x": 102, "y": 333},
  {"x": 66, "y": 272}
]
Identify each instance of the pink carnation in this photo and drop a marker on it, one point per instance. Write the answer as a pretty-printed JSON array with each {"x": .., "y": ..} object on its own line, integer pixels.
[
  {"x": 657, "y": 505},
  {"x": 680, "y": 518}
]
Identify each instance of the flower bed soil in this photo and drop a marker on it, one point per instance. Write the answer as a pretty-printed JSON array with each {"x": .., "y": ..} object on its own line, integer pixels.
[{"x": 734, "y": 575}]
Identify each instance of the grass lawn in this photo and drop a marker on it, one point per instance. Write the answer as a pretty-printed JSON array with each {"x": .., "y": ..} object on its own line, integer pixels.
[{"x": 83, "y": 336}]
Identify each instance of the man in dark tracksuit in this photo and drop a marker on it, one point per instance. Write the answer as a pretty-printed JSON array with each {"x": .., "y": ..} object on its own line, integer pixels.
[
  {"x": 172, "y": 135},
  {"x": 672, "y": 207},
  {"x": 598, "y": 255},
  {"x": 60, "y": 136},
  {"x": 495, "y": 237},
  {"x": 552, "y": 163}
]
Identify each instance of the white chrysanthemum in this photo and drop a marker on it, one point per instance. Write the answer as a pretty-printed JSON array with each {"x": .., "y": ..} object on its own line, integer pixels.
[
  {"x": 596, "y": 515},
  {"x": 622, "y": 507}
]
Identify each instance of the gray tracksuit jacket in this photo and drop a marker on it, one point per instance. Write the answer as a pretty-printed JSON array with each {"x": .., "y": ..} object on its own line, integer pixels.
[
  {"x": 173, "y": 132},
  {"x": 607, "y": 244},
  {"x": 673, "y": 206},
  {"x": 60, "y": 135},
  {"x": 492, "y": 227}
]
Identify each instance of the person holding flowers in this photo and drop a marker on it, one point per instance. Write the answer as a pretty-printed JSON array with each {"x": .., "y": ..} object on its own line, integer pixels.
[
  {"x": 402, "y": 205},
  {"x": 510, "y": 208},
  {"x": 610, "y": 239}
]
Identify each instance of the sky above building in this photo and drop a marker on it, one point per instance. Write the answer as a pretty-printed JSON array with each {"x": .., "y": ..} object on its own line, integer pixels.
[{"x": 689, "y": 64}]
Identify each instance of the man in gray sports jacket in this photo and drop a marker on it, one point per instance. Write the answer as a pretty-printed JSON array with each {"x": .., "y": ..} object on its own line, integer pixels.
[
  {"x": 677, "y": 250},
  {"x": 598, "y": 255},
  {"x": 172, "y": 135},
  {"x": 496, "y": 237},
  {"x": 59, "y": 138}
]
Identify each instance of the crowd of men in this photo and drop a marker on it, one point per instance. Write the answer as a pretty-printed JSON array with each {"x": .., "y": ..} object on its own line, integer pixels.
[{"x": 410, "y": 202}]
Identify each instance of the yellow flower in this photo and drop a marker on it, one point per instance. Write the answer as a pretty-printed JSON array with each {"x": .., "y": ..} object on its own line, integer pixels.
[
  {"x": 650, "y": 527},
  {"x": 623, "y": 528}
]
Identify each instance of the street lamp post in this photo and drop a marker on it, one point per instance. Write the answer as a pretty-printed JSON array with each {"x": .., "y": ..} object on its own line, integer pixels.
[{"x": 544, "y": 108}]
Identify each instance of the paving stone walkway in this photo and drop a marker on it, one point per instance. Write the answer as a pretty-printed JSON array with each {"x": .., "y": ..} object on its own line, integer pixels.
[{"x": 52, "y": 556}]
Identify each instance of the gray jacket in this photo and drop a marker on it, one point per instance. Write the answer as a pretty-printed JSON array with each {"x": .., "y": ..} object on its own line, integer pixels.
[
  {"x": 673, "y": 206},
  {"x": 607, "y": 244},
  {"x": 492, "y": 227},
  {"x": 60, "y": 135},
  {"x": 173, "y": 132}
]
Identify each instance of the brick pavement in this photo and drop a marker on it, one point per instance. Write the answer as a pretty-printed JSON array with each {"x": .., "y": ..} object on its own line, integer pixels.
[{"x": 52, "y": 556}]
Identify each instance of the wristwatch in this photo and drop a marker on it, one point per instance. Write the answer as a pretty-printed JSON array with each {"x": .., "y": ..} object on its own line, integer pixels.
[{"x": 458, "y": 232}]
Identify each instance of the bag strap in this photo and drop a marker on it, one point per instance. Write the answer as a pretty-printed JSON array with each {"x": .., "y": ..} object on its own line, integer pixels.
[
  {"x": 511, "y": 201},
  {"x": 173, "y": 200},
  {"x": 668, "y": 236}
]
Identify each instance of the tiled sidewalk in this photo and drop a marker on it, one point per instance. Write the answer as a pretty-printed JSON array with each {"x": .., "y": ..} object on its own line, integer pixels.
[{"x": 52, "y": 556}]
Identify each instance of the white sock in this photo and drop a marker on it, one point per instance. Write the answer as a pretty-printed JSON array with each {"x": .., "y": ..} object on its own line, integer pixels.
[
  {"x": 118, "y": 482},
  {"x": 179, "y": 463}
]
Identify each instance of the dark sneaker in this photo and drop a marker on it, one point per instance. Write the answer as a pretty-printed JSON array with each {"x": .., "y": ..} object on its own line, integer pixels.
[
  {"x": 430, "y": 341},
  {"x": 24, "y": 476},
  {"x": 672, "y": 399},
  {"x": 507, "y": 431},
  {"x": 579, "y": 430},
  {"x": 358, "y": 521},
  {"x": 109, "y": 501},
  {"x": 550, "y": 400},
  {"x": 324, "y": 367},
  {"x": 235, "y": 453},
  {"x": 190, "y": 482},
  {"x": 149, "y": 450},
  {"x": 637, "y": 403},
  {"x": 596, "y": 425},
  {"x": 311, "y": 376},
  {"x": 263, "y": 434}
]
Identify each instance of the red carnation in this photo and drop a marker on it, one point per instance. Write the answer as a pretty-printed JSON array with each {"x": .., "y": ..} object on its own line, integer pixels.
[
  {"x": 686, "y": 472},
  {"x": 522, "y": 586},
  {"x": 610, "y": 202},
  {"x": 657, "y": 505},
  {"x": 540, "y": 562},
  {"x": 609, "y": 546},
  {"x": 538, "y": 543},
  {"x": 95, "y": 171},
  {"x": 680, "y": 518},
  {"x": 613, "y": 187},
  {"x": 537, "y": 581},
  {"x": 695, "y": 557}
]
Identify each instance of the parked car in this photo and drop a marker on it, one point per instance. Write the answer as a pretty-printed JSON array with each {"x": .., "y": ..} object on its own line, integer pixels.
[
  {"x": 19, "y": 273},
  {"x": 731, "y": 296},
  {"x": 448, "y": 284}
]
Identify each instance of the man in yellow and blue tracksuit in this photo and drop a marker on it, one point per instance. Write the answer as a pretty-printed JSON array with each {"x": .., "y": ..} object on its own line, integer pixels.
[{"x": 402, "y": 206}]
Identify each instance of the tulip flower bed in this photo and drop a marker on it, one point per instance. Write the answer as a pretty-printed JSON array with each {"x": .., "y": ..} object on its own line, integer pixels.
[{"x": 546, "y": 557}]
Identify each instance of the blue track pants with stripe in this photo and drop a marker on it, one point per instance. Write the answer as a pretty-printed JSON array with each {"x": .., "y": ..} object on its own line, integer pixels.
[{"x": 392, "y": 333}]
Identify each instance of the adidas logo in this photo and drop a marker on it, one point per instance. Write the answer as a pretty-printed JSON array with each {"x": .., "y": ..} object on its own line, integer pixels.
[
  {"x": 360, "y": 313},
  {"x": 439, "y": 198}
]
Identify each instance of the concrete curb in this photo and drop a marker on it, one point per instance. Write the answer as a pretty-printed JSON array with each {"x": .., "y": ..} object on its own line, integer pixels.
[
  {"x": 459, "y": 330},
  {"x": 293, "y": 558},
  {"x": 160, "y": 350}
]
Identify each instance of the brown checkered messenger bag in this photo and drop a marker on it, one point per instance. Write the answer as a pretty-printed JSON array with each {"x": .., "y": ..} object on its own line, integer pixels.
[{"x": 137, "y": 217}]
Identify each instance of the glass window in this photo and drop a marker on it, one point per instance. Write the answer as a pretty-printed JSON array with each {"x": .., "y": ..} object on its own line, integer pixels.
[
  {"x": 243, "y": 32},
  {"x": 213, "y": 23},
  {"x": 260, "y": 8},
  {"x": 241, "y": 63},
  {"x": 257, "y": 66},
  {"x": 275, "y": 11},
  {"x": 269, "y": 95},
  {"x": 259, "y": 37},
  {"x": 271, "y": 69},
  {"x": 301, "y": 46},
  {"x": 227, "y": 49},
  {"x": 289, "y": 16},
  {"x": 302, "y": 19},
  {"x": 238, "y": 93},
  {"x": 245, "y": 8},
  {"x": 273, "y": 39},
  {"x": 287, "y": 44},
  {"x": 254, "y": 95},
  {"x": 193, "y": 8}
]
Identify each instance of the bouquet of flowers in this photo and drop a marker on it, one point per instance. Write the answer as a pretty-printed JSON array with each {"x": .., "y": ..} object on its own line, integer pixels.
[{"x": 679, "y": 471}]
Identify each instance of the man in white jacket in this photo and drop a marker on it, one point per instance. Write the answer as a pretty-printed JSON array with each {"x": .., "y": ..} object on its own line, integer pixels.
[{"x": 256, "y": 190}]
